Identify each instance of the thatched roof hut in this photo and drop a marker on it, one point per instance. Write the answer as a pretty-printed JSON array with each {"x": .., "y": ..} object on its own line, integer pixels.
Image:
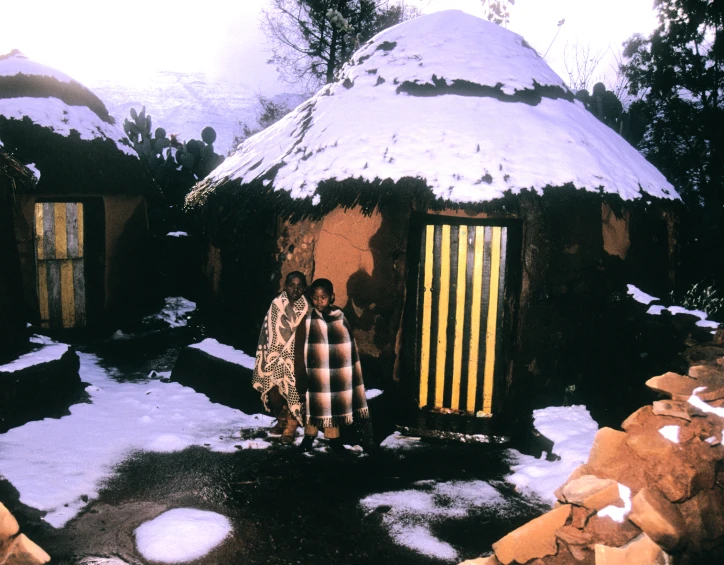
[
  {"x": 88, "y": 177},
  {"x": 471, "y": 213}
]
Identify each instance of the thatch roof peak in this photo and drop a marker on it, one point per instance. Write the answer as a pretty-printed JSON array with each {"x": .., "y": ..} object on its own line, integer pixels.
[{"x": 460, "y": 103}]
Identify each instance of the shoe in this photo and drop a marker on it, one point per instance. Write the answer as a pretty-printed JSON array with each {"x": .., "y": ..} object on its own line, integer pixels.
[
  {"x": 281, "y": 424},
  {"x": 336, "y": 445},
  {"x": 290, "y": 430},
  {"x": 307, "y": 444}
]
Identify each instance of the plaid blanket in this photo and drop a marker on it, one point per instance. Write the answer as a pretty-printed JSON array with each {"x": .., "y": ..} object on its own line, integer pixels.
[
  {"x": 335, "y": 392},
  {"x": 274, "y": 365}
]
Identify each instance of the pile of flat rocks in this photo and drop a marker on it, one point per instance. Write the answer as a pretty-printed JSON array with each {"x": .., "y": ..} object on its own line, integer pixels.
[
  {"x": 650, "y": 494},
  {"x": 17, "y": 548}
]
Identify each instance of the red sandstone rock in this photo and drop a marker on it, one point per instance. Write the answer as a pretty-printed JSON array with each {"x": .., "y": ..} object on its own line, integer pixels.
[
  {"x": 579, "y": 516},
  {"x": 658, "y": 519},
  {"x": 491, "y": 560},
  {"x": 641, "y": 551},
  {"x": 564, "y": 556},
  {"x": 610, "y": 458},
  {"x": 573, "y": 536},
  {"x": 22, "y": 551},
  {"x": 607, "y": 531},
  {"x": 591, "y": 492},
  {"x": 8, "y": 523},
  {"x": 533, "y": 540},
  {"x": 704, "y": 516},
  {"x": 673, "y": 384},
  {"x": 672, "y": 409}
]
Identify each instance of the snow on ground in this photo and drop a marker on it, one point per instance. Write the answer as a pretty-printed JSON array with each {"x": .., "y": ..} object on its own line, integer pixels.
[
  {"x": 639, "y": 295},
  {"x": 468, "y": 148},
  {"x": 181, "y": 534},
  {"x": 398, "y": 441},
  {"x": 177, "y": 234},
  {"x": 656, "y": 309},
  {"x": 175, "y": 311},
  {"x": 58, "y": 464},
  {"x": 571, "y": 429},
  {"x": 225, "y": 352},
  {"x": 49, "y": 351},
  {"x": 413, "y": 512}
]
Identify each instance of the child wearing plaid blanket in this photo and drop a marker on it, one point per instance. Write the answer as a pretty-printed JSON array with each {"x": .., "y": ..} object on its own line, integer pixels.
[{"x": 329, "y": 374}]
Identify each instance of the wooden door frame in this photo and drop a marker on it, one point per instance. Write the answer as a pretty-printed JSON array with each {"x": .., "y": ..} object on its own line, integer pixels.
[{"x": 411, "y": 320}]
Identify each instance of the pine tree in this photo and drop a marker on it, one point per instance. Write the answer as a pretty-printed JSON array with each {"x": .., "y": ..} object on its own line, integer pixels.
[{"x": 678, "y": 76}]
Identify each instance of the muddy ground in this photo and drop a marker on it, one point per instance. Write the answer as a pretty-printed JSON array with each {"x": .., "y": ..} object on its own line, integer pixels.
[{"x": 285, "y": 507}]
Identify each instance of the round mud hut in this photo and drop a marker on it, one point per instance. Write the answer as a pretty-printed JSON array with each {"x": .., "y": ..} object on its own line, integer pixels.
[
  {"x": 477, "y": 222},
  {"x": 81, "y": 228}
]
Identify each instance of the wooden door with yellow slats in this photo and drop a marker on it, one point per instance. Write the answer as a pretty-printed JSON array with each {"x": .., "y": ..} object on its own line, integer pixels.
[
  {"x": 59, "y": 261},
  {"x": 461, "y": 285}
]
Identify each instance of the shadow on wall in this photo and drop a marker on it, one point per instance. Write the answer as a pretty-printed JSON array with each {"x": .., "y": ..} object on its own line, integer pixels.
[
  {"x": 133, "y": 284},
  {"x": 375, "y": 300}
]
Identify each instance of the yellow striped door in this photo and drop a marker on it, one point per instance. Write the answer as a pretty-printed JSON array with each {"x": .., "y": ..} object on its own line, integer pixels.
[
  {"x": 461, "y": 284},
  {"x": 59, "y": 261}
]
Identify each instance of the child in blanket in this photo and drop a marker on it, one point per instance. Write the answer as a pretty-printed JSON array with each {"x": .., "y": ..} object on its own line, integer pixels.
[{"x": 329, "y": 374}]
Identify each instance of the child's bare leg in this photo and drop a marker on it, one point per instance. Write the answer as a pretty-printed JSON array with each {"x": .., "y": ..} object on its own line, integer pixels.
[{"x": 278, "y": 405}]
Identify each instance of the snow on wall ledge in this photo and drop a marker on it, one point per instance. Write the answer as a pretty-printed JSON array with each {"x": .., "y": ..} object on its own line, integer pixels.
[{"x": 467, "y": 148}]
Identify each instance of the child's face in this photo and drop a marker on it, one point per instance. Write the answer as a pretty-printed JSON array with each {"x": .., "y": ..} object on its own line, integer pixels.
[
  {"x": 295, "y": 287},
  {"x": 321, "y": 300}
]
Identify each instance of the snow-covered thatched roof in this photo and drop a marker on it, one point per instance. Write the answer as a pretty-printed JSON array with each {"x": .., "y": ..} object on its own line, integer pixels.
[
  {"x": 464, "y": 105},
  {"x": 64, "y": 131}
]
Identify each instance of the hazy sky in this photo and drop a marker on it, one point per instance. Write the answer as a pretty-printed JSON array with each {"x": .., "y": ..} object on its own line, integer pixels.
[{"x": 88, "y": 39}]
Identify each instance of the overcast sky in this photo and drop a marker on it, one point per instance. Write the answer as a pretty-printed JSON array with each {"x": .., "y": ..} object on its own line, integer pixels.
[{"x": 90, "y": 39}]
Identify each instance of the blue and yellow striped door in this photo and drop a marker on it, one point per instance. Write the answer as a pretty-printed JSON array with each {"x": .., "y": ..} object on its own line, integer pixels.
[
  {"x": 59, "y": 262},
  {"x": 462, "y": 284}
]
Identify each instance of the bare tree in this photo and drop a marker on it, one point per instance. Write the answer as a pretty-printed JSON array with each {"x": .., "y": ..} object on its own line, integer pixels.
[
  {"x": 310, "y": 40},
  {"x": 581, "y": 63},
  {"x": 497, "y": 11}
]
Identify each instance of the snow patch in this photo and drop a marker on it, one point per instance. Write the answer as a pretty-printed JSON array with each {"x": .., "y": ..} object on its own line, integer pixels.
[
  {"x": 225, "y": 352},
  {"x": 671, "y": 433},
  {"x": 20, "y": 64},
  {"x": 181, "y": 534},
  {"x": 46, "y": 354},
  {"x": 33, "y": 169},
  {"x": 465, "y": 148},
  {"x": 175, "y": 312},
  {"x": 177, "y": 234},
  {"x": 572, "y": 430},
  {"x": 398, "y": 441},
  {"x": 617, "y": 513},
  {"x": 73, "y": 456},
  {"x": 62, "y": 119},
  {"x": 694, "y": 400},
  {"x": 639, "y": 295},
  {"x": 412, "y": 512}
]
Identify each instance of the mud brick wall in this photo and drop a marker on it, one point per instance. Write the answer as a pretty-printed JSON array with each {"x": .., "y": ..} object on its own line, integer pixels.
[{"x": 663, "y": 473}]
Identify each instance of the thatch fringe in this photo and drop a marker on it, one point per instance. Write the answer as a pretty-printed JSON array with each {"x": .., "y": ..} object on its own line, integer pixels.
[{"x": 440, "y": 87}]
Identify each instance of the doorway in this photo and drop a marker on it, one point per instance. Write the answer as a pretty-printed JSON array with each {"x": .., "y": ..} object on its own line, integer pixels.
[{"x": 460, "y": 285}]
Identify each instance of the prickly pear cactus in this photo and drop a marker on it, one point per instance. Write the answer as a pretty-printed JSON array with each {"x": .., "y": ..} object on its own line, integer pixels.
[{"x": 175, "y": 166}]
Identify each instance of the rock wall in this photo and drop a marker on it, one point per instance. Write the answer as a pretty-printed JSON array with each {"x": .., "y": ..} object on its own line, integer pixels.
[
  {"x": 17, "y": 548},
  {"x": 651, "y": 493}
]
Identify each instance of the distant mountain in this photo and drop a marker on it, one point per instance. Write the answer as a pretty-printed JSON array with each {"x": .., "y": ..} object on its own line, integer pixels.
[{"x": 185, "y": 103}]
